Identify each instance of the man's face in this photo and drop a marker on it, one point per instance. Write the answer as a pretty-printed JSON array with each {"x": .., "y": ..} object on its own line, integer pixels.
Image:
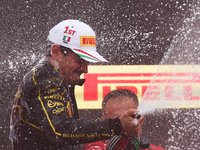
[
  {"x": 71, "y": 67},
  {"x": 115, "y": 107}
]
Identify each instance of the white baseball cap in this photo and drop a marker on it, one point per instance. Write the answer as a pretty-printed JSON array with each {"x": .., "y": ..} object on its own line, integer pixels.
[{"x": 77, "y": 36}]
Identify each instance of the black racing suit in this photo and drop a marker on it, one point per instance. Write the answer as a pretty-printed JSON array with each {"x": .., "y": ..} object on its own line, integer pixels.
[{"x": 45, "y": 115}]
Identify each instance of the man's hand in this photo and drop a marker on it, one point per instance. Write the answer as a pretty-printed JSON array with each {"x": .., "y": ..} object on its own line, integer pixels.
[{"x": 131, "y": 126}]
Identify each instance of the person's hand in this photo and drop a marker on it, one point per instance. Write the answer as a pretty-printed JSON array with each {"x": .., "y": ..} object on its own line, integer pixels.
[{"x": 131, "y": 127}]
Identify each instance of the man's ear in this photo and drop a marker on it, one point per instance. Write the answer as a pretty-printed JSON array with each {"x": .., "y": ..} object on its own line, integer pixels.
[{"x": 56, "y": 52}]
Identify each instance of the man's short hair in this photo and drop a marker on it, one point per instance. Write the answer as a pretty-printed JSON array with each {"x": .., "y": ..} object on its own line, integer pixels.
[
  {"x": 119, "y": 92},
  {"x": 49, "y": 45}
]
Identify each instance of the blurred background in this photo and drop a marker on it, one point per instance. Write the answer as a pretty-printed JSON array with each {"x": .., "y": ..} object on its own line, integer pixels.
[{"x": 129, "y": 32}]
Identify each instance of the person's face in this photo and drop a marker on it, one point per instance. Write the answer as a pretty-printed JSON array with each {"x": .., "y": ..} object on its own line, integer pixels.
[
  {"x": 115, "y": 107},
  {"x": 71, "y": 67}
]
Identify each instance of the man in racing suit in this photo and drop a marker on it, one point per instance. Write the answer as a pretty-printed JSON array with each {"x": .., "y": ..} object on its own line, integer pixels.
[
  {"x": 114, "y": 104},
  {"x": 45, "y": 115}
]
